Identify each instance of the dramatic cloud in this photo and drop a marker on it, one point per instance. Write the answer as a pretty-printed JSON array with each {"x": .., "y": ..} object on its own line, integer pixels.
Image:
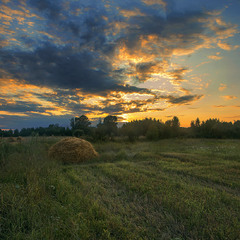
[
  {"x": 61, "y": 58},
  {"x": 59, "y": 67}
]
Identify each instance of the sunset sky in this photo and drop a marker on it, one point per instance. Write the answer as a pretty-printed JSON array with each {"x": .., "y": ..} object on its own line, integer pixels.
[{"x": 129, "y": 58}]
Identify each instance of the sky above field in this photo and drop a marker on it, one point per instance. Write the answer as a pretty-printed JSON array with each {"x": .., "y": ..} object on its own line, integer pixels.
[{"x": 129, "y": 58}]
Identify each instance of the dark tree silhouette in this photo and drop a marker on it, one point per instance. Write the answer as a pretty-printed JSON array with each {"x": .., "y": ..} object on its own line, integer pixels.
[{"x": 80, "y": 123}]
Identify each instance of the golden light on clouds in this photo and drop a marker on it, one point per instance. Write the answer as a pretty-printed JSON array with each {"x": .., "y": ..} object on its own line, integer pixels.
[
  {"x": 226, "y": 46},
  {"x": 11, "y": 14},
  {"x": 153, "y": 2},
  {"x": 136, "y": 96},
  {"x": 229, "y": 97},
  {"x": 92, "y": 101},
  {"x": 126, "y": 56},
  {"x": 215, "y": 57},
  {"x": 131, "y": 13},
  {"x": 58, "y": 111},
  {"x": 19, "y": 92},
  {"x": 222, "y": 87},
  {"x": 7, "y": 113}
]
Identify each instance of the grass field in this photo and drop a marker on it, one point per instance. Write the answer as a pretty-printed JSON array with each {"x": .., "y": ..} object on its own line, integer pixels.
[{"x": 169, "y": 189}]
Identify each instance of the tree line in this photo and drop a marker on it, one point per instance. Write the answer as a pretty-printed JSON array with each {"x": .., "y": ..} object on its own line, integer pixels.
[{"x": 148, "y": 128}]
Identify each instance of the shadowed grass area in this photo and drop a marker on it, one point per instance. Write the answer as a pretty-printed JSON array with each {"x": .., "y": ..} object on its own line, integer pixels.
[{"x": 170, "y": 189}]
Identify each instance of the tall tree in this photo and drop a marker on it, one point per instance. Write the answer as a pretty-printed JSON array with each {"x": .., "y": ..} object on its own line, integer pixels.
[
  {"x": 80, "y": 123},
  {"x": 110, "y": 126}
]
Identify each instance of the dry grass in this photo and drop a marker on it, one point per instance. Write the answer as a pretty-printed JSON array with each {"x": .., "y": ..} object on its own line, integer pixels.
[
  {"x": 11, "y": 139},
  {"x": 72, "y": 150},
  {"x": 19, "y": 139}
]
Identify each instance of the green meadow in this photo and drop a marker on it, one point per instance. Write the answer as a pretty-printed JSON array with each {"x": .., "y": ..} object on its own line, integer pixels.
[{"x": 168, "y": 189}]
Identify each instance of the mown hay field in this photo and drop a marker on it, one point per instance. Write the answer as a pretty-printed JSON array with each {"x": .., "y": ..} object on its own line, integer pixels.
[{"x": 169, "y": 189}]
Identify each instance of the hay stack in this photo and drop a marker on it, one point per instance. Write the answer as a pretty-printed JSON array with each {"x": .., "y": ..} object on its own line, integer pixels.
[
  {"x": 19, "y": 139},
  {"x": 72, "y": 150},
  {"x": 11, "y": 139}
]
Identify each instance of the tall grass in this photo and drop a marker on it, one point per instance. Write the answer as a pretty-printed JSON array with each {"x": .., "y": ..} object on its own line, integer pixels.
[{"x": 170, "y": 189}]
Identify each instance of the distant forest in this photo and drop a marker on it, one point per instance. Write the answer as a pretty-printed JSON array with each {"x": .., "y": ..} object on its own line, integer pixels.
[{"x": 148, "y": 128}]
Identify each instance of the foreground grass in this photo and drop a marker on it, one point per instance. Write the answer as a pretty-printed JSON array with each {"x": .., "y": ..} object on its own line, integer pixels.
[{"x": 170, "y": 189}]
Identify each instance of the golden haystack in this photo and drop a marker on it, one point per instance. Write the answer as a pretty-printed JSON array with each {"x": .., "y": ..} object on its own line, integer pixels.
[{"x": 72, "y": 150}]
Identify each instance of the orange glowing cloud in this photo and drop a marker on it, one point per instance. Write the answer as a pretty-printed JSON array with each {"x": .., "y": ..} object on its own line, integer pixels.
[
  {"x": 126, "y": 55},
  {"x": 15, "y": 87},
  {"x": 229, "y": 97},
  {"x": 58, "y": 111},
  {"x": 153, "y": 2},
  {"x": 222, "y": 87},
  {"x": 14, "y": 91},
  {"x": 7, "y": 113},
  {"x": 143, "y": 63},
  {"x": 92, "y": 101},
  {"x": 215, "y": 57},
  {"x": 143, "y": 52},
  {"x": 131, "y": 13},
  {"x": 9, "y": 12},
  {"x": 226, "y": 46}
]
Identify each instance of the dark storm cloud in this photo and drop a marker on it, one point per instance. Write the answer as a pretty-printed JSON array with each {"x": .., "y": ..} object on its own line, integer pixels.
[
  {"x": 83, "y": 64},
  {"x": 50, "y": 8},
  {"x": 94, "y": 32},
  {"x": 187, "y": 24},
  {"x": 143, "y": 70},
  {"x": 62, "y": 68},
  {"x": 59, "y": 67},
  {"x": 144, "y": 67},
  {"x": 88, "y": 27},
  {"x": 131, "y": 89},
  {"x": 18, "y": 106},
  {"x": 60, "y": 96},
  {"x": 22, "y": 107},
  {"x": 80, "y": 63}
]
